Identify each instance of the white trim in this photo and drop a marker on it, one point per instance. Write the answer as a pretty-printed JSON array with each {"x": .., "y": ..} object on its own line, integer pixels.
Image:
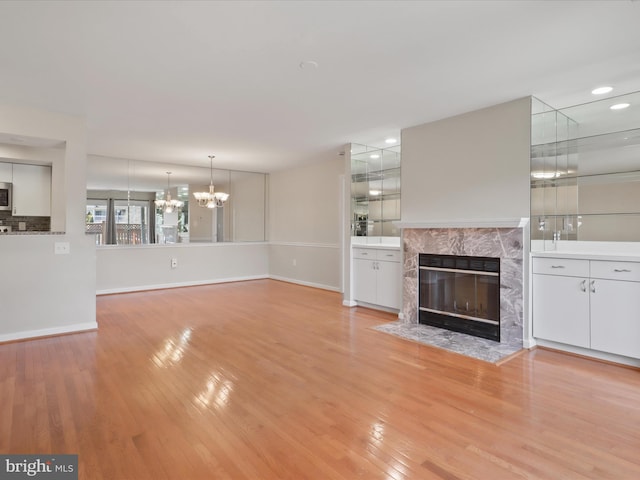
[
  {"x": 349, "y": 303},
  {"x": 45, "y": 332},
  {"x": 587, "y": 352},
  {"x": 308, "y": 245},
  {"x": 373, "y": 306},
  {"x": 306, "y": 284},
  {"x": 468, "y": 223},
  {"x": 139, "y": 288},
  {"x": 179, "y": 245}
]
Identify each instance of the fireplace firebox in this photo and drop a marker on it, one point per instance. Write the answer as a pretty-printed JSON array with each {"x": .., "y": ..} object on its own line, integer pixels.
[{"x": 460, "y": 293}]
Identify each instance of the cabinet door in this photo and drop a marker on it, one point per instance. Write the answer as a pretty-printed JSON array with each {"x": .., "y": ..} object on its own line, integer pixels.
[
  {"x": 388, "y": 288},
  {"x": 561, "y": 309},
  {"x": 615, "y": 321},
  {"x": 31, "y": 190},
  {"x": 364, "y": 280}
]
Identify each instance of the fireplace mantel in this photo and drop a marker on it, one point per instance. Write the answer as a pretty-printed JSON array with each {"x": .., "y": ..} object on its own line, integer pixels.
[{"x": 467, "y": 223}]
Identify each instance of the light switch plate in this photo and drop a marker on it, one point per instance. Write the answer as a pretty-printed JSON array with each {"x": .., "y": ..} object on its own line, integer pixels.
[
  {"x": 62, "y": 248},
  {"x": 22, "y": 226}
]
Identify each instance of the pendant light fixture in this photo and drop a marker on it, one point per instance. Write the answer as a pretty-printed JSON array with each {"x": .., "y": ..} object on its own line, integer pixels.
[
  {"x": 211, "y": 199},
  {"x": 169, "y": 204}
]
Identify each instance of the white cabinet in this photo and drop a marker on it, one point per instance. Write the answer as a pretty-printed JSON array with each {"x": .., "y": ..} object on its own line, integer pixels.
[
  {"x": 6, "y": 172},
  {"x": 377, "y": 276},
  {"x": 561, "y": 309},
  {"x": 31, "y": 190},
  {"x": 615, "y": 307},
  {"x": 588, "y": 303}
]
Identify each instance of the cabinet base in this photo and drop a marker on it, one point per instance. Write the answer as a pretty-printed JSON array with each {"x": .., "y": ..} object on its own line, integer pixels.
[{"x": 587, "y": 352}]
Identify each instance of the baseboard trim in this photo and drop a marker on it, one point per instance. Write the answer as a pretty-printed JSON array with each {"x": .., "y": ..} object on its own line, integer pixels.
[
  {"x": 586, "y": 352},
  {"x": 48, "y": 332},
  {"x": 349, "y": 303},
  {"x": 141, "y": 288},
  {"x": 378, "y": 307},
  {"x": 304, "y": 283}
]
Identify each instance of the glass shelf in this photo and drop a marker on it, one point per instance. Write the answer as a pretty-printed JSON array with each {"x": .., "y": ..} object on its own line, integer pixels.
[
  {"x": 375, "y": 190},
  {"x": 585, "y": 171}
]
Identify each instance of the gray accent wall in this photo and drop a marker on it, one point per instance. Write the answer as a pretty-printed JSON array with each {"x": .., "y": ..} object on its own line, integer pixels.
[{"x": 474, "y": 166}]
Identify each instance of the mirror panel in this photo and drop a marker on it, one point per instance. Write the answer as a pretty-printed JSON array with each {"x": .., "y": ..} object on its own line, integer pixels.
[
  {"x": 585, "y": 171},
  {"x": 122, "y": 209},
  {"x": 375, "y": 190}
]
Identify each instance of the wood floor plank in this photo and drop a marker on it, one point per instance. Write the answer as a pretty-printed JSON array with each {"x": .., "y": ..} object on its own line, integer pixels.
[{"x": 269, "y": 380}]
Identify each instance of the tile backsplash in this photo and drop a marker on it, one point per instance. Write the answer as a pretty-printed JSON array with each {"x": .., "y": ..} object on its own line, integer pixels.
[{"x": 33, "y": 224}]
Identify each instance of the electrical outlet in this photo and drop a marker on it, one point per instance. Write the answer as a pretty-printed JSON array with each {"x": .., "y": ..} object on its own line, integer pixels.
[
  {"x": 62, "y": 248},
  {"x": 294, "y": 262},
  {"x": 174, "y": 263}
]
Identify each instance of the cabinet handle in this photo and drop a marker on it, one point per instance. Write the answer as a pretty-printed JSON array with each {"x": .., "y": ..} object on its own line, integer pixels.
[
  {"x": 620, "y": 270},
  {"x": 557, "y": 266},
  {"x": 583, "y": 286},
  {"x": 593, "y": 286},
  {"x": 364, "y": 253}
]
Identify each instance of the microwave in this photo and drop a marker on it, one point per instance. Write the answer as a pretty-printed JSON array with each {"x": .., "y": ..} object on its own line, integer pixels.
[{"x": 5, "y": 196}]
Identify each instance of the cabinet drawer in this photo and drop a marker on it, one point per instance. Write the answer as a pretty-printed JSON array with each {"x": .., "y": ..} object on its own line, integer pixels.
[
  {"x": 389, "y": 255},
  {"x": 366, "y": 253},
  {"x": 629, "y": 271},
  {"x": 377, "y": 254},
  {"x": 567, "y": 267}
]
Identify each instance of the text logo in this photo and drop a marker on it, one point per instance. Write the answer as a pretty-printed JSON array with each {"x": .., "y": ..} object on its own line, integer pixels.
[{"x": 49, "y": 467}]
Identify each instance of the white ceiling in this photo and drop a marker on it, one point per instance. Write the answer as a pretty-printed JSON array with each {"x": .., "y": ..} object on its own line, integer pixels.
[{"x": 176, "y": 81}]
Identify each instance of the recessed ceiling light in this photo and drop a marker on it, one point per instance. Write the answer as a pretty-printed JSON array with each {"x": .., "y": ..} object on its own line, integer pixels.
[
  {"x": 601, "y": 90},
  {"x": 374, "y": 156},
  {"x": 374, "y": 192},
  {"x": 390, "y": 140},
  {"x": 620, "y": 106},
  {"x": 545, "y": 175}
]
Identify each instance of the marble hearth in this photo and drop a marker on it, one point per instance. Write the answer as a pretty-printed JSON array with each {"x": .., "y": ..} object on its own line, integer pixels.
[{"x": 505, "y": 243}]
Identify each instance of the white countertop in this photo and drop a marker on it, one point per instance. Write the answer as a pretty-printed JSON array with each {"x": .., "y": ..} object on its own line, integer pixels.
[{"x": 377, "y": 246}]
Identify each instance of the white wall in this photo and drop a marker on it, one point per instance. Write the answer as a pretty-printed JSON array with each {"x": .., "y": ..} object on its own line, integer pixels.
[
  {"x": 42, "y": 293},
  {"x": 305, "y": 219},
  {"x": 142, "y": 267},
  {"x": 472, "y": 167}
]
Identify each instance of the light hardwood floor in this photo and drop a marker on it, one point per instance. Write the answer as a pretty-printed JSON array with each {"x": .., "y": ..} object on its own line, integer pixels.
[{"x": 269, "y": 380}]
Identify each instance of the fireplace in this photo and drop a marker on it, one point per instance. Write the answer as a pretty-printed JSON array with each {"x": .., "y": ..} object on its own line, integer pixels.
[
  {"x": 503, "y": 243},
  {"x": 460, "y": 293}
]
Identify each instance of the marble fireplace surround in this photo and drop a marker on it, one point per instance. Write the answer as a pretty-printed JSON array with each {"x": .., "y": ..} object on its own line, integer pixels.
[{"x": 505, "y": 243}]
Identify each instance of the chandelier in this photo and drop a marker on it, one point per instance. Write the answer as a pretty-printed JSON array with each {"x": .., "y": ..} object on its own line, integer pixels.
[
  {"x": 211, "y": 199},
  {"x": 169, "y": 204}
]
